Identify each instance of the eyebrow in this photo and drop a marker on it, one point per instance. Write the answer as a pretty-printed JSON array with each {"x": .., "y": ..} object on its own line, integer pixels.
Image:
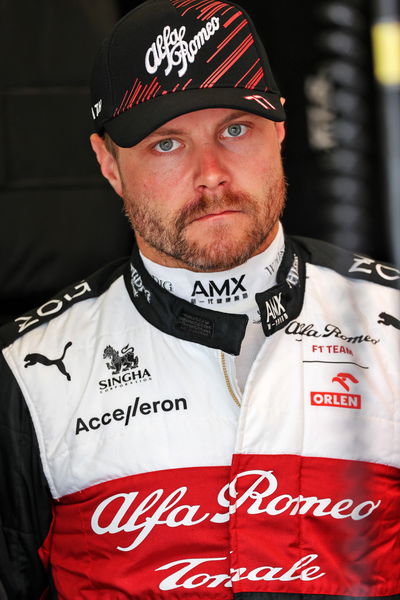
[
  {"x": 161, "y": 131},
  {"x": 167, "y": 131},
  {"x": 235, "y": 115}
]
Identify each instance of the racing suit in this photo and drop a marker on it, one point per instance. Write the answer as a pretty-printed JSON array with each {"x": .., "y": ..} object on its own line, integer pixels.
[{"x": 127, "y": 472}]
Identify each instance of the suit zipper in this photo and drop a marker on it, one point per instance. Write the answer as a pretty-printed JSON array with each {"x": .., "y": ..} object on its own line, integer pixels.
[{"x": 228, "y": 381}]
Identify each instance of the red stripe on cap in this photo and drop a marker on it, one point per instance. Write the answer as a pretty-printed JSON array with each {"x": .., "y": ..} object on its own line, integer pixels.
[
  {"x": 122, "y": 101},
  {"x": 205, "y": 8},
  {"x": 179, "y": 3},
  {"x": 247, "y": 72},
  {"x": 150, "y": 91},
  {"x": 176, "y": 87},
  {"x": 204, "y": 16},
  {"x": 128, "y": 102},
  {"x": 228, "y": 39},
  {"x": 139, "y": 87},
  {"x": 223, "y": 64},
  {"x": 255, "y": 79},
  {"x": 211, "y": 10},
  {"x": 195, "y": 6},
  {"x": 158, "y": 88},
  {"x": 229, "y": 62},
  {"x": 125, "y": 104},
  {"x": 192, "y": 3},
  {"x": 186, "y": 84},
  {"x": 233, "y": 18},
  {"x": 140, "y": 99}
]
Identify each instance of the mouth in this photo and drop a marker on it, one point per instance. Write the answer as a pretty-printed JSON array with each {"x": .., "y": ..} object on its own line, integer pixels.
[{"x": 214, "y": 216}]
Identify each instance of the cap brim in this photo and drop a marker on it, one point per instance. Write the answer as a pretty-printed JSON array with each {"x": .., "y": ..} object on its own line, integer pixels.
[{"x": 133, "y": 125}]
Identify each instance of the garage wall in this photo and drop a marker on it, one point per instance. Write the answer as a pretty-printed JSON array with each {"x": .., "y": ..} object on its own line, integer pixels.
[{"x": 60, "y": 221}]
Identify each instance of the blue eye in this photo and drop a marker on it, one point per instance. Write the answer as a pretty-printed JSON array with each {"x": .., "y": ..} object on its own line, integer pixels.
[
  {"x": 167, "y": 145},
  {"x": 235, "y": 130}
]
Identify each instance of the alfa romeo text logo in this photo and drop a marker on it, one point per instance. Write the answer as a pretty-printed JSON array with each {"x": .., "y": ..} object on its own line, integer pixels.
[
  {"x": 175, "y": 50},
  {"x": 141, "y": 514}
]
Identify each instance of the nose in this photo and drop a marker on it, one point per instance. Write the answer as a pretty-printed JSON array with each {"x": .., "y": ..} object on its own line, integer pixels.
[{"x": 211, "y": 170}]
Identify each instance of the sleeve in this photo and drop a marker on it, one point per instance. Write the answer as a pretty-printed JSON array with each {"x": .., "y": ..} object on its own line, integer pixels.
[{"x": 25, "y": 501}]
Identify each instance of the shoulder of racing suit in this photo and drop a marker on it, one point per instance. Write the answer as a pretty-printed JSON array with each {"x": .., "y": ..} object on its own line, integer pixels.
[
  {"x": 90, "y": 287},
  {"x": 350, "y": 264}
]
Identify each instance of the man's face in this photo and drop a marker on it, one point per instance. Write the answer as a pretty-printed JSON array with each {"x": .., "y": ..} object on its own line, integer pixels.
[{"x": 204, "y": 191}]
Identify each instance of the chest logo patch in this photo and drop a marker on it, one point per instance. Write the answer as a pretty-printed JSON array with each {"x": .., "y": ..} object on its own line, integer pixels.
[
  {"x": 124, "y": 367},
  {"x": 335, "y": 399},
  {"x": 36, "y": 358},
  {"x": 120, "y": 361},
  {"x": 386, "y": 319}
]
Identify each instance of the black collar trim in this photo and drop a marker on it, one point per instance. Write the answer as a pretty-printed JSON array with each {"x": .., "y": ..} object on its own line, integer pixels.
[
  {"x": 219, "y": 330},
  {"x": 282, "y": 303}
]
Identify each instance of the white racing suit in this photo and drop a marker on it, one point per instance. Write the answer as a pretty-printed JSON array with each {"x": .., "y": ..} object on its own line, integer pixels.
[{"x": 128, "y": 473}]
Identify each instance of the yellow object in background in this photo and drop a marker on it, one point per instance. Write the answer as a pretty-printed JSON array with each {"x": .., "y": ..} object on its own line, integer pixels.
[{"x": 386, "y": 49}]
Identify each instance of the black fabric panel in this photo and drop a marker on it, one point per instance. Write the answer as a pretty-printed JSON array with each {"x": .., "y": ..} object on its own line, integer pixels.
[
  {"x": 25, "y": 502},
  {"x": 59, "y": 220},
  {"x": 53, "y": 239},
  {"x": 2, "y": 145},
  {"x": 51, "y": 43},
  {"x": 46, "y": 133},
  {"x": 323, "y": 64}
]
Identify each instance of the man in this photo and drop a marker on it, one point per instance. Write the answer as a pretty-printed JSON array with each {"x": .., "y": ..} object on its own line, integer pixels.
[{"x": 218, "y": 416}]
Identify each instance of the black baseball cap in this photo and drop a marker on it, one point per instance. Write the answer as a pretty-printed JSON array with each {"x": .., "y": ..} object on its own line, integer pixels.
[{"x": 166, "y": 58}]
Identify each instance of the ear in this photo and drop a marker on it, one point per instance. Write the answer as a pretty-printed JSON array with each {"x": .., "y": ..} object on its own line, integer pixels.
[
  {"x": 280, "y": 126},
  {"x": 108, "y": 163},
  {"x": 280, "y": 131}
]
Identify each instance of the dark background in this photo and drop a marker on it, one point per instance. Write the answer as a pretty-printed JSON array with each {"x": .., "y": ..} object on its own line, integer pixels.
[{"x": 59, "y": 220}]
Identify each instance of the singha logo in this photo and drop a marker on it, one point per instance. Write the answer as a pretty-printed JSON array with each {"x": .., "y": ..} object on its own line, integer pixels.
[
  {"x": 121, "y": 362},
  {"x": 386, "y": 319}
]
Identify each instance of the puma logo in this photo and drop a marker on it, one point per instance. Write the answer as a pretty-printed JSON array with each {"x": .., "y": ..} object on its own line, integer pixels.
[
  {"x": 389, "y": 320},
  {"x": 35, "y": 358}
]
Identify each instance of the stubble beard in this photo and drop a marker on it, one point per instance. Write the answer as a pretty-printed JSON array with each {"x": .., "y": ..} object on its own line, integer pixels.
[{"x": 169, "y": 235}]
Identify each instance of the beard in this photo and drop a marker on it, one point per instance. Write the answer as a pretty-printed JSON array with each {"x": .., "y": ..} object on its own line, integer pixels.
[{"x": 221, "y": 247}]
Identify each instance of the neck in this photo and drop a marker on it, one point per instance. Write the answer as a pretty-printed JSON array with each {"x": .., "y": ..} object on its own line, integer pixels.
[{"x": 232, "y": 290}]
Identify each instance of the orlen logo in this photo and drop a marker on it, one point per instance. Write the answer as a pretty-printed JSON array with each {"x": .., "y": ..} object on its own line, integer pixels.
[{"x": 338, "y": 399}]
